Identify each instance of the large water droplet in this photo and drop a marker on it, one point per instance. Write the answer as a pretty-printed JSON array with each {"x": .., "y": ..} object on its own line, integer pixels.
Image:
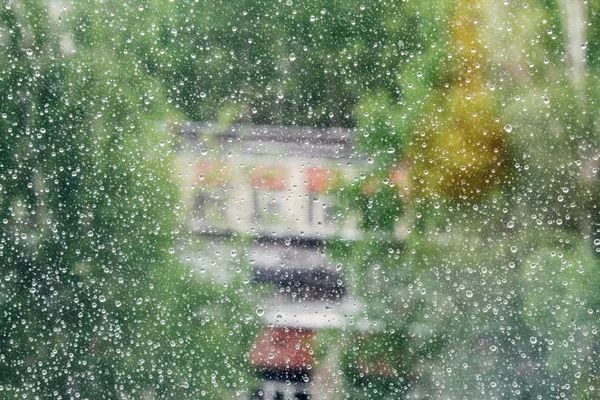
[{"x": 533, "y": 340}]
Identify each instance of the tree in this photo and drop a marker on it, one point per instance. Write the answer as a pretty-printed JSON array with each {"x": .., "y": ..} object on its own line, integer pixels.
[
  {"x": 94, "y": 302},
  {"x": 499, "y": 135}
]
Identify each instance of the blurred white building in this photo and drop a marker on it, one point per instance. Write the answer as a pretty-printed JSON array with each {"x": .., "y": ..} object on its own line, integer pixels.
[{"x": 277, "y": 185}]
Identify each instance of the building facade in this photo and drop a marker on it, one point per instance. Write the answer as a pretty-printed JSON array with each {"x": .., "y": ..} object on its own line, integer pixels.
[{"x": 278, "y": 187}]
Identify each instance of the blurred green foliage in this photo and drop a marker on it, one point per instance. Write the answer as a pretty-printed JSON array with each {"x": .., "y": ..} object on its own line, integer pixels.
[{"x": 93, "y": 299}]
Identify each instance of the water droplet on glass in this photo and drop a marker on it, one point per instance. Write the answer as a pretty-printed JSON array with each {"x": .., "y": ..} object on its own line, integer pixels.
[
  {"x": 533, "y": 340},
  {"x": 292, "y": 57},
  {"x": 260, "y": 312},
  {"x": 171, "y": 250},
  {"x": 514, "y": 249},
  {"x": 508, "y": 128}
]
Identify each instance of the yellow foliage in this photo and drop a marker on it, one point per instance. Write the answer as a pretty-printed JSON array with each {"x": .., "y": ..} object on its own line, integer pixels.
[{"x": 458, "y": 144}]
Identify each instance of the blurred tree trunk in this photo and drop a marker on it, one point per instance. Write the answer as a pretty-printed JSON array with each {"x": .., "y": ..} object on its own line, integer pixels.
[{"x": 573, "y": 21}]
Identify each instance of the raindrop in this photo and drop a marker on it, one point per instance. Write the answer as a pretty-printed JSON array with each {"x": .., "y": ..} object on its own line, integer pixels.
[
  {"x": 508, "y": 128},
  {"x": 292, "y": 57},
  {"x": 29, "y": 52},
  {"x": 514, "y": 249},
  {"x": 533, "y": 340},
  {"x": 171, "y": 250},
  {"x": 469, "y": 293},
  {"x": 260, "y": 312}
]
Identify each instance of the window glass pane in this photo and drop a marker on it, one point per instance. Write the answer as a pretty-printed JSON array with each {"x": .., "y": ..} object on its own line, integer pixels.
[{"x": 299, "y": 199}]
